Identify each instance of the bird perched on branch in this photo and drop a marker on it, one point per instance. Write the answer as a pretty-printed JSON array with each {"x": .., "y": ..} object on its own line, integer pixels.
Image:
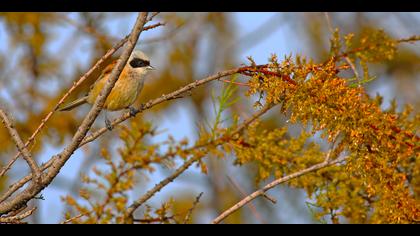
[{"x": 126, "y": 89}]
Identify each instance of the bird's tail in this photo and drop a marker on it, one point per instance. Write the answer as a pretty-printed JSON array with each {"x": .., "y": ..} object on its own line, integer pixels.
[{"x": 74, "y": 104}]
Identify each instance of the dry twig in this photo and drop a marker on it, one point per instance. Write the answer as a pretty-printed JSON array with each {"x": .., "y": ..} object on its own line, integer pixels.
[
  {"x": 271, "y": 185},
  {"x": 89, "y": 138},
  {"x": 26, "y": 195},
  {"x": 136, "y": 204},
  {"x": 76, "y": 84},
  {"x": 17, "y": 219},
  {"x": 189, "y": 213},
  {"x": 21, "y": 147}
]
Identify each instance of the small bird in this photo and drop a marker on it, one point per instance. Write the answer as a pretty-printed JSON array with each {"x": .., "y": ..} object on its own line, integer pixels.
[{"x": 126, "y": 89}]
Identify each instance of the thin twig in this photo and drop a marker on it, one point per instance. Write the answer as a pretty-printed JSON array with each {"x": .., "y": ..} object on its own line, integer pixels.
[
  {"x": 85, "y": 28},
  {"x": 152, "y": 16},
  {"x": 17, "y": 218},
  {"x": 149, "y": 27},
  {"x": 62, "y": 158},
  {"x": 76, "y": 84},
  {"x": 353, "y": 68},
  {"x": 136, "y": 204},
  {"x": 89, "y": 138},
  {"x": 189, "y": 213},
  {"x": 16, "y": 212},
  {"x": 154, "y": 220},
  {"x": 21, "y": 147},
  {"x": 330, "y": 151},
  {"x": 271, "y": 185},
  {"x": 327, "y": 17},
  {"x": 348, "y": 60},
  {"x": 164, "y": 98},
  {"x": 285, "y": 78},
  {"x": 411, "y": 39},
  {"x": 100, "y": 35},
  {"x": 234, "y": 82},
  {"x": 168, "y": 35},
  {"x": 73, "y": 218},
  {"x": 270, "y": 198},
  {"x": 18, "y": 184},
  {"x": 98, "y": 64},
  {"x": 243, "y": 194}
]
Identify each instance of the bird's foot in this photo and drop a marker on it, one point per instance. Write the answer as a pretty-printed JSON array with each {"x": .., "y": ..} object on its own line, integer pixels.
[
  {"x": 133, "y": 111},
  {"x": 108, "y": 124}
]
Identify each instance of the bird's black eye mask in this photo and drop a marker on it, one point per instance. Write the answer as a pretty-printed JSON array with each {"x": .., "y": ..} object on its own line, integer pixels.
[{"x": 137, "y": 62}]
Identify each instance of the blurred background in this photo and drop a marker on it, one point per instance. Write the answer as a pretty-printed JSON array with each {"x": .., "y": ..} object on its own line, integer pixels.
[{"x": 42, "y": 54}]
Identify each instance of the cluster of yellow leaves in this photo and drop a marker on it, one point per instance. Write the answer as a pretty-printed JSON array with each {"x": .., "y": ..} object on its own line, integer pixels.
[
  {"x": 161, "y": 215},
  {"x": 373, "y": 46},
  {"x": 41, "y": 66},
  {"x": 115, "y": 183},
  {"x": 382, "y": 169},
  {"x": 376, "y": 184},
  {"x": 108, "y": 197},
  {"x": 275, "y": 154}
]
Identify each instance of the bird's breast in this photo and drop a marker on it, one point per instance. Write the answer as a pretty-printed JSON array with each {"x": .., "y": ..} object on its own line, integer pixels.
[{"x": 124, "y": 93}]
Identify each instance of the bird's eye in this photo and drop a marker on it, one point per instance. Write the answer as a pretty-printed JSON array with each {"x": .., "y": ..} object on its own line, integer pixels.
[{"x": 137, "y": 62}]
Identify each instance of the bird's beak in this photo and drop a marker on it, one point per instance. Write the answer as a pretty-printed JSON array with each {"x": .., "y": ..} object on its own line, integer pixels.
[{"x": 150, "y": 68}]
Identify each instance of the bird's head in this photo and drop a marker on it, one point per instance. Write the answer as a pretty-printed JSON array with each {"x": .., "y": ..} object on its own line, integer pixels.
[{"x": 140, "y": 61}]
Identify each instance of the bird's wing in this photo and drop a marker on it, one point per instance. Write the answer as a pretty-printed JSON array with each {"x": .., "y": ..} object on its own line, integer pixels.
[
  {"x": 104, "y": 74},
  {"x": 108, "y": 68},
  {"x": 100, "y": 82}
]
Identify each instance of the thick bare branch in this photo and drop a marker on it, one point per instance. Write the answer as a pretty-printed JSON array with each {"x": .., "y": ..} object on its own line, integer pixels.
[
  {"x": 89, "y": 138},
  {"x": 76, "y": 84},
  {"x": 100, "y": 100},
  {"x": 98, "y": 64},
  {"x": 18, "y": 184},
  {"x": 17, "y": 218},
  {"x": 164, "y": 98},
  {"x": 62, "y": 158}
]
